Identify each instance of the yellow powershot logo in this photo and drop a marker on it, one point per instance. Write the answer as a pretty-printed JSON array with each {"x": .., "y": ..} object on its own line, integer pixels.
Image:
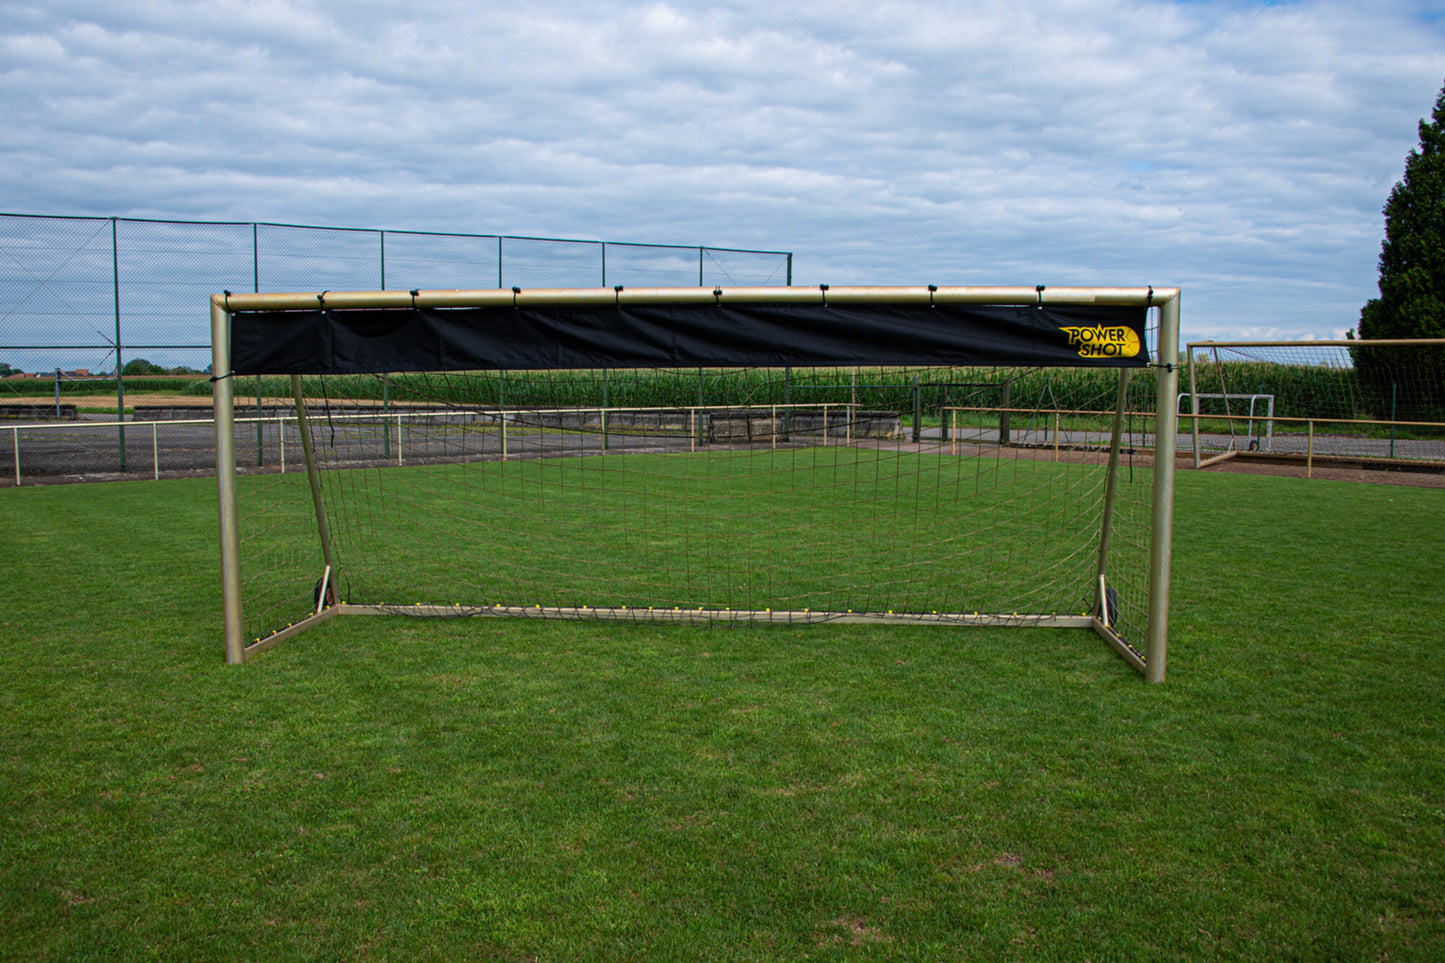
[{"x": 1102, "y": 342}]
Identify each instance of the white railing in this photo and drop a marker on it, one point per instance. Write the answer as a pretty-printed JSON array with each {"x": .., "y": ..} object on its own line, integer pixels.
[
  {"x": 96, "y": 427},
  {"x": 92, "y": 453},
  {"x": 689, "y": 420}
]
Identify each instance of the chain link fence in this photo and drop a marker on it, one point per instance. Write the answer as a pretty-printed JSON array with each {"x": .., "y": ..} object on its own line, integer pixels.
[
  {"x": 94, "y": 293},
  {"x": 93, "y": 310}
]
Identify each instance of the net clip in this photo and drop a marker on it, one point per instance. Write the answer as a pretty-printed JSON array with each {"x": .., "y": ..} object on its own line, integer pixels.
[
  {"x": 1039, "y": 290},
  {"x": 824, "y": 289},
  {"x": 515, "y": 291},
  {"x": 932, "y": 290}
]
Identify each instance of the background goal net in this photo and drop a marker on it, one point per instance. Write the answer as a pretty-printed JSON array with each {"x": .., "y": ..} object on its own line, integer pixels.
[{"x": 1380, "y": 401}]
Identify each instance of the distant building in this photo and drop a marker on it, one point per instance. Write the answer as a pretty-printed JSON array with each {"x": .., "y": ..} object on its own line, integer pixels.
[{"x": 77, "y": 373}]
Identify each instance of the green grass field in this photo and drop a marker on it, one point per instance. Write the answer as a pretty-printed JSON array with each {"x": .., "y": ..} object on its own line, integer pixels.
[
  {"x": 820, "y": 528},
  {"x": 475, "y": 789}
]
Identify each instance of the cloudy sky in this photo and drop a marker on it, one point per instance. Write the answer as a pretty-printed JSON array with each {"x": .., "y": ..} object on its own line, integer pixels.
[{"x": 1241, "y": 150}]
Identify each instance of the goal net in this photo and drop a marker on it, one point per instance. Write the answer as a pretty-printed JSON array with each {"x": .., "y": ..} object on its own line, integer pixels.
[
  {"x": 792, "y": 490},
  {"x": 1363, "y": 402}
]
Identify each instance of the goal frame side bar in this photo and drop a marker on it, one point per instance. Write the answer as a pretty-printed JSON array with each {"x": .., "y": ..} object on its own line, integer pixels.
[
  {"x": 1153, "y": 663},
  {"x": 1166, "y": 426}
]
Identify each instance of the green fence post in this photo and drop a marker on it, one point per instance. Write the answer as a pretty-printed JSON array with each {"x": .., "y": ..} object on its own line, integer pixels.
[
  {"x": 701, "y": 397},
  {"x": 943, "y": 438},
  {"x": 1004, "y": 413},
  {"x": 119, "y": 361},
  {"x": 256, "y": 286},
  {"x": 1394, "y": 397},
  {"x": 787, "y": 403},
  {"x": 260, "y": 425},
  {"x": 385, "y": 425},
  {"x": 917, "y": 411}
]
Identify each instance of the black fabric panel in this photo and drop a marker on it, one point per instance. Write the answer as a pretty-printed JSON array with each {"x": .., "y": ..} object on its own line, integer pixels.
[{"x": 738, "y": 335}]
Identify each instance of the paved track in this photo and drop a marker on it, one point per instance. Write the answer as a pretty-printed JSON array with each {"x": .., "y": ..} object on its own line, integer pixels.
[{"x": 90, "y": 451}]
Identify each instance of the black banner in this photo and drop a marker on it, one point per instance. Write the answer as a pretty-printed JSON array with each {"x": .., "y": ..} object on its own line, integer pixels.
[{"x": 357, "y": 341}]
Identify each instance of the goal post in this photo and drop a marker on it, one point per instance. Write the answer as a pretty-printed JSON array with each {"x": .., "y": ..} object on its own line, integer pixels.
[{"x": 739, "y": 455}]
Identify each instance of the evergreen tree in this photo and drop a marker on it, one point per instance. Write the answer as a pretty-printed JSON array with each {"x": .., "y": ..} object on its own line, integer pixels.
[{"x": 1412, "y": 259}]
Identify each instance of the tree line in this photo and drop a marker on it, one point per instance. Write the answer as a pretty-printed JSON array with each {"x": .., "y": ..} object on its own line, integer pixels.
[
  {"x": 1412, "y": 260},
  {"x": 135, "y": 368}
]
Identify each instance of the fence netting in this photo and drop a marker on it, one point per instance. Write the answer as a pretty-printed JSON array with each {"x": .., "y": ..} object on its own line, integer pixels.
[{"x": 105, "y": 319}]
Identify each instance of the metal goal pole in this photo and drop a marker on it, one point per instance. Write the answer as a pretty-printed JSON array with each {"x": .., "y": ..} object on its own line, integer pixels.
[
  {"x": 222, "y": 398},
  {"x": 1161, "y": 543}
]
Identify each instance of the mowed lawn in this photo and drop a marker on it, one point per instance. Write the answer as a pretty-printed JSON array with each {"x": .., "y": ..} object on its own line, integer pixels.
[{"x": 385, "y": 788}]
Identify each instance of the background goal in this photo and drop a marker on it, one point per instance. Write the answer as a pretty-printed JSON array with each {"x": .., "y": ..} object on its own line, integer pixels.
[{"x": 1372, "y": 402}]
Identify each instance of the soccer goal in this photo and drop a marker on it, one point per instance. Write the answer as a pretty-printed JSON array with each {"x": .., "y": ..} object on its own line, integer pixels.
[
  {"x": 1358, "y": 402},
  {"x": 897, "y": 456}
]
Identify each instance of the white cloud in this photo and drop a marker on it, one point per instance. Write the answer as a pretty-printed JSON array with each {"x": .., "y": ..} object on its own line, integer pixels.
[{"x": 1241, "y": 150}]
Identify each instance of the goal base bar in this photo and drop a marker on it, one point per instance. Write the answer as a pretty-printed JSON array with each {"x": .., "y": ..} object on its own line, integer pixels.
[
  {"x": 281, "y": 635},
  {"x": 1233, "y": 453},
  {"x": 674, "y": 614},
  {"x": 703, "y": 615}
]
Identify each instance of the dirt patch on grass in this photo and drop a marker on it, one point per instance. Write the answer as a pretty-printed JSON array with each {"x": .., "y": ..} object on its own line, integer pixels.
[{"x": 851, "y": 931}]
